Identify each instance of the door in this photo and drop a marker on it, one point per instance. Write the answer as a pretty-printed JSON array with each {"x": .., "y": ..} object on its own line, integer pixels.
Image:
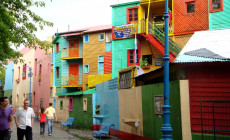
[
  {"x": 73, "y": 48},
  {"x": 54, "y": 104},
  {"x": 73, "y": 74}
]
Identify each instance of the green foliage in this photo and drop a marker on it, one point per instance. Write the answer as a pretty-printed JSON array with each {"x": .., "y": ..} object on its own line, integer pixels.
[
  {"x": 145, "y": 62},
  {"x": 2, "y": 78},
  {"x": 17, "y": 26}
]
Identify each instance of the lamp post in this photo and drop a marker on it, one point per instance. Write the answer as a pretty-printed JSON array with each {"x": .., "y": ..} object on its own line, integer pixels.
[
  {"x": 166, "y": 127},
  {"x": 30, "y": 74}
]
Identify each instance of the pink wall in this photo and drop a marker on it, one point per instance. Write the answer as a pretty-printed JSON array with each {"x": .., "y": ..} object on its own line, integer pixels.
[{"x": 41, "y": 89}]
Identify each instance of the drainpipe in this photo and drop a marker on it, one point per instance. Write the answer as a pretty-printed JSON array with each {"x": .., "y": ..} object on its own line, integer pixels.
[
  {"x": 166, "y": 127},
  {"x": 30, "y": 74}
]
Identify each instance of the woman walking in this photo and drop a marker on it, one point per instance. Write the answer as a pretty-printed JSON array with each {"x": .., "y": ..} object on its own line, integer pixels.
[{"x": 42, "y": 121}]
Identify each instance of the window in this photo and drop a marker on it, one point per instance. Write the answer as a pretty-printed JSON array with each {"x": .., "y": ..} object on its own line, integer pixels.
[
  {"x": 51, "y": 91},
  {"x": 132, "y": 14},
  {"x": 125, "y": 79},
  {"x": 148, "y": 58},
  {"x": 86, "y": 68},
  {"x": 40, "y": 73},
  {"x": 131, "y": 57},
  {"x": 216, "y": 5},
  {"x": 86, "y": 38},
  {"x": 101, "y": 37},
  {"x": 24, "y": 72},
  {"x": 100, "y": 64},
  {"x": 84, "y": 104},
  {"x": 57, "y": 47},
  {"x": 57, "y": 72},
  {"x": 190, "y": 7},
  {"x": 61, "y": 104},
  {"x": 35, "y": 67},
  {"x": 71, "y": 104}
]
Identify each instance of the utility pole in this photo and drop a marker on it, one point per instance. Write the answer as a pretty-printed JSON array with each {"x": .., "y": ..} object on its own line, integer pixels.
[
  {"x": 30, "y": 74},
  {"x": 166, "y": 127}
]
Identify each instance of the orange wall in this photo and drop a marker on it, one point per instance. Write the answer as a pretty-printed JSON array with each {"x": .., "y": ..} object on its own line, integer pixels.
[{"x": 184, "y": 22}]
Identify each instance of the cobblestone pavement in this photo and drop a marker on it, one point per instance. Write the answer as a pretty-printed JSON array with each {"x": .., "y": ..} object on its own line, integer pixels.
[{"x": 58, "y": 133}]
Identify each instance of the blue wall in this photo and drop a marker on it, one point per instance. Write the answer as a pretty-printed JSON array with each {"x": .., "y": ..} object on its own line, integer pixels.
[
  {"x": 107, "y": 97},
  {"x": 9, "y": 76}
]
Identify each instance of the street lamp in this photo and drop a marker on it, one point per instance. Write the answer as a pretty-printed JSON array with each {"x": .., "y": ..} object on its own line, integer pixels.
[
  {"x": 166, "y": 127},
  {"x": 30, "y": 74}
]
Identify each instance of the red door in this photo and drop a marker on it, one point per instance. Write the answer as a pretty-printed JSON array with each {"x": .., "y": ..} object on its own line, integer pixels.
[
  {"x": 73, "y": 74},
  {"x": 73, "y": 48}
]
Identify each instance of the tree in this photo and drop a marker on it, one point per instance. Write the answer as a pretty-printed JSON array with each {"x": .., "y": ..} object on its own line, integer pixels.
[{"x": 17, "y": 26}]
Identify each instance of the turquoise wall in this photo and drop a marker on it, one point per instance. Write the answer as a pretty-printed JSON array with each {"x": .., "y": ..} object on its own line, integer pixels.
[
  {"x": 107, "y": 97},
  {"x": 119, "y": 12},
  {"x": 119, "y": 47},
  {"x": 119, "y": 54},
  {"x": 220, "y": 20},
  {"x": 58, "y": 62},
  {"x": 9, "y": 76}
]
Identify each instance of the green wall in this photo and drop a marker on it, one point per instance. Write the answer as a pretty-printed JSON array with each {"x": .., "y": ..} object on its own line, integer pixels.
[
  {"x": 8, "y": 93},
  {"x": 119, "y": 55},
  {"x": 152, "y": 122},
  {"x": 84, "y": 118},
  {"x": 220, "y": 20},
  {"x": 198, "y": 136},
  {"x": 58, "y": 63}
]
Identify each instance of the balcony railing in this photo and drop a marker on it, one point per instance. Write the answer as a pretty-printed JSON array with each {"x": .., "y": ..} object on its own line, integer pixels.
[
  {"x": 71, "y": 81},
  {"x": 66, "y": 55}
]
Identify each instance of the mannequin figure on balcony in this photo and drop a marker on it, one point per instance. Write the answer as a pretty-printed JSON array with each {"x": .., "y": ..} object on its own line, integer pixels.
[{"x": 170, "y": 20}]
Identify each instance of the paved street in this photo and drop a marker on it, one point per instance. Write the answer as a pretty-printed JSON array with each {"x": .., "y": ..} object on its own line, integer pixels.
[{"x": 58, "y": 134}]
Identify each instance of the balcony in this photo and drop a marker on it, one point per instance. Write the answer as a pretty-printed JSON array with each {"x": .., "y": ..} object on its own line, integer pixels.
[
  {"x": 72, "y": 54},
  {"x": 71, "y": 81}
]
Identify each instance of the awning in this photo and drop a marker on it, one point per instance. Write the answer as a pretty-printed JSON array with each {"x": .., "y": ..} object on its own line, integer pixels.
[{"x": 71, "y": 34}]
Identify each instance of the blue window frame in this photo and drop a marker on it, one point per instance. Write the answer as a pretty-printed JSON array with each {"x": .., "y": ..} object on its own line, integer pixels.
[
  {"x": 86, "y": 68},
  {"x": 101, "y": 64},
  {"x": 86, "y": 38},
  {"x": 101, "y": 37}
]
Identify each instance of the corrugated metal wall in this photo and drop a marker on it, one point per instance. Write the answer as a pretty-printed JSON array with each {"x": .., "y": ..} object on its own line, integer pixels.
[
  {"x": 206, "y": 83},
  {"x": 108, "y": 63},
  {"x": 220, "y": 20},
  {"x": 184, "y": 22}
]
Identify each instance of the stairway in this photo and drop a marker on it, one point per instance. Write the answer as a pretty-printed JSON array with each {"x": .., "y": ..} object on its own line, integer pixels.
[{"x": 156, "y": 38}]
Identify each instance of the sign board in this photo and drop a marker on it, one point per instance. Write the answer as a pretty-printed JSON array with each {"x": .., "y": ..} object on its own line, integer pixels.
[{"x": 123, "y": 31}]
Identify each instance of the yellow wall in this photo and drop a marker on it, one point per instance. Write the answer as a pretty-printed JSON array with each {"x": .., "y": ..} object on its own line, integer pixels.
[
  {"x": 130, "y": 110},
  {"x": 22, "y": 87},
  {"x": 91, "y": 51},
  {"x": 145, "y": 50},
  {"x": 96, "y": 79},
  {"x": 182, "y": 40}
]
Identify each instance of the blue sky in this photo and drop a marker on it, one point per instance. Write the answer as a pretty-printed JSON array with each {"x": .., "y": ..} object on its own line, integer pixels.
[{"x": 75, "y": 13}]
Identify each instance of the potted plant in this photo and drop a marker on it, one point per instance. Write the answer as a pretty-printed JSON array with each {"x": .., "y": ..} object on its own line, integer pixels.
[{"x": 145, "y": 64}]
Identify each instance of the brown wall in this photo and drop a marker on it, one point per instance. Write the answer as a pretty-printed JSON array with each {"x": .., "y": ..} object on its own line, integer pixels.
[{"x": 91, "y": 51}]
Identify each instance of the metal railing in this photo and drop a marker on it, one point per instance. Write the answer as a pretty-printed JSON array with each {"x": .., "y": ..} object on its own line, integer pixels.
[
  {"x": 159, "y": 34},
  {"x": 73, "y": 80},
  {"x": 65, "y": 53},
  {"x": 215, "y": 120}
]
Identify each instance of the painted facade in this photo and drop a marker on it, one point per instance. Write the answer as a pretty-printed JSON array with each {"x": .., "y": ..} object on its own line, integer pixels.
[
  {"x": 41, "y": 84},
  {"x": 9, "y": 80},
  {"x": 219, "y": 17},
  {"x": 21, "y": 82}
]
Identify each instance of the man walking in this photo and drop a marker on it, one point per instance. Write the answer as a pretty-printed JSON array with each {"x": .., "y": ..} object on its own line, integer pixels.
[
  {"x": 50, "y": 114},
  {"x": 6, "y": 119},
  {"x": 24, "y": 118}
]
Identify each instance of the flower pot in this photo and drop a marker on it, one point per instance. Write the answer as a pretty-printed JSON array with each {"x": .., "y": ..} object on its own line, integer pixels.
[{"x": 146, "y": 67}]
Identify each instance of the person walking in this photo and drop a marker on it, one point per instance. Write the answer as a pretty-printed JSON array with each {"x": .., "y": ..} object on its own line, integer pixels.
[
  {"x": 42, "y": 121},
  {"x": 24, "y": 118},
  {"x": 50, "y": 114},
  {"x": 6, "y": 119}
]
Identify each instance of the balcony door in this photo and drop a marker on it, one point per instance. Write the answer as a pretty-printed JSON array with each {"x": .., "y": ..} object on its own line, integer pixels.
[
  {"x": 73, "y": 48},
  {"x": 73, "y": 74}
]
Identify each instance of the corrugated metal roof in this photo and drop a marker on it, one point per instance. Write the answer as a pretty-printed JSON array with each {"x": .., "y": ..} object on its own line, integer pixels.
[
  {"x": 206, "y": 46},
  {"x": 71, "y": 34}
]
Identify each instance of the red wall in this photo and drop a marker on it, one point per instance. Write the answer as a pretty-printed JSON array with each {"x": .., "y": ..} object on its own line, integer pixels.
[
  {"x": 208, "y": 82},
  {"x": 108, "y": 63},
  {"x": 183, "y": 22}
]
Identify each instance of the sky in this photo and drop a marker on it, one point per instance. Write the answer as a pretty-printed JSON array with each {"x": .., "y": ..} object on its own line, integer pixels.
[{"x": 74, "y": 14}]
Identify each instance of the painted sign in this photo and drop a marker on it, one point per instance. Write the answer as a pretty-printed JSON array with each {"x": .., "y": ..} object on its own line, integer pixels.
[{"x": 123, "y": 31}]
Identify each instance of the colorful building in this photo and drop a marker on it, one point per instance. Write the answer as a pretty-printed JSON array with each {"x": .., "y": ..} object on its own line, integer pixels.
[
  {"x": 78, "y": 55},
  {"x": 9, "y": 73}
]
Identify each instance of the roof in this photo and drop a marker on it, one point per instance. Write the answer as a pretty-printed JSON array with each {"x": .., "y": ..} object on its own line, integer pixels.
[
  {"x": 206, "y": 46},
  {"x": 83, "y": 30},
  {"x": 124, "y": 4}
]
